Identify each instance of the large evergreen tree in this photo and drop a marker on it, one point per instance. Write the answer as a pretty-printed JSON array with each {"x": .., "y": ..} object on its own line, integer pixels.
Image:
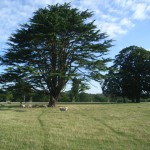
[
  {"x": 130, "y": 76},
  {"x": 58, "y": 43}
]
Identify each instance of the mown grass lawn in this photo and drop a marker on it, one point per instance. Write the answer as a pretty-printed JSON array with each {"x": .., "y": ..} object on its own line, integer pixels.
[{"x": 82, "y": 127}]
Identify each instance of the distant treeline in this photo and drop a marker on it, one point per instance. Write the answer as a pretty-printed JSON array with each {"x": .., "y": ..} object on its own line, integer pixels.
[{"x": 6, "y": 96}]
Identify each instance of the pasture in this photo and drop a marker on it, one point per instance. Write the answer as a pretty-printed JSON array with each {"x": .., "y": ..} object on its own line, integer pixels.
[{"x": 82, "y": 127}]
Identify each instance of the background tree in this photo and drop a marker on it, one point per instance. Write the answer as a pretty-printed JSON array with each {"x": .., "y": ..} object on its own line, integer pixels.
[
  {"x": 22, "y": 91},
  {"x": 112, "y": 85},
  {"x": 2, "y": 96},
  {"x": 131, "y": 75},
  {"x": 99, "y": 98},
  {"x": 65, "y": 96},
  {"x": 9, "y": 96},
  {"x": 77, "y": 87},
  {"x": 85, "y": 97},
  {"x": 14, "y": 80},
  {"x": 58, "y": 43}
]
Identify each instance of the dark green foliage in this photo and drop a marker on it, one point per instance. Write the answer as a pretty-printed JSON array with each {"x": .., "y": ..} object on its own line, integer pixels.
[
  {"x": 99, "y": 98},
  {"x": 111, "y": 85},
  {"x": 2, "y": 96},
  {"x": 78, "y": 86},
  {"x": 56, "y": 45},
  {"x": 22, "y": 91},
  {"x": 83, "y": 97},
  {"x": 75, "y": 90},
  {"x": 6, "y": 96},
  {"x": 65, "y": 97},
  {"x": 130, "y": 74},
  {"x": 40, "y": 97}
]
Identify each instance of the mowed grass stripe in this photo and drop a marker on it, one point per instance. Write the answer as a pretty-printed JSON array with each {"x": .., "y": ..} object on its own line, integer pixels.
[{"x": 82, "y": 127}]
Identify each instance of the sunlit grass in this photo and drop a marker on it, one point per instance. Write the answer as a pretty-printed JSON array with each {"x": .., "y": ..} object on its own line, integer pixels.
[{"x": 82, "y": 127}]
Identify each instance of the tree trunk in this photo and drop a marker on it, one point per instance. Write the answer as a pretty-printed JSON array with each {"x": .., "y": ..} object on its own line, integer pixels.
[
  {"x": 124, "y": 100},
  {"x": 52, "y": 102},
  {"x": 138, "y": 100},
  {"x": 138, "y": 95}
]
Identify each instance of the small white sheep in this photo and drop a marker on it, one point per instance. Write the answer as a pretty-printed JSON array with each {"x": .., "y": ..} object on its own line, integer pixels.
[
  {"x": 45, "y": 106},
  {"x": 29, "y": 106},
  {"x": 63, "y": 108},
  {"x": 23, "y": 106}
]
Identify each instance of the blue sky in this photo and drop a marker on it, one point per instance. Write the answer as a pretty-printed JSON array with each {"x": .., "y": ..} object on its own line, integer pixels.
[{"x": 125, "y": 21}]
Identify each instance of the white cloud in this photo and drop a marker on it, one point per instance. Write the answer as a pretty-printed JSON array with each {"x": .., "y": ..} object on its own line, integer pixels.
[
  {"x": 12, "y": 15},
  {"x": 114, "y": 17},
  {"x": 113, "y": 29},
  {"x": 127, "y": 23},
  {"x": 141, "y": 11},
  {"x": 125, "y": 3}
]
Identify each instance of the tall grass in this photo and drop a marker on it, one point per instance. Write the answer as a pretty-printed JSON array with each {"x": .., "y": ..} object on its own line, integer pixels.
[{"x": 82, "y": 127}]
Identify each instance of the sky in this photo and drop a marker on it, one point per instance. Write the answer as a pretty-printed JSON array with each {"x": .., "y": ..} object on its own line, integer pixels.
[{"x": 127, "y": 22}]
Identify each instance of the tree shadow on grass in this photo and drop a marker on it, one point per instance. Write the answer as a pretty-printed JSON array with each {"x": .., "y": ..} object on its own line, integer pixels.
[
  {"x": 11, "y": 108},
  {"x": 19, "y": 110},
  {"x": 5, "y": 109}
]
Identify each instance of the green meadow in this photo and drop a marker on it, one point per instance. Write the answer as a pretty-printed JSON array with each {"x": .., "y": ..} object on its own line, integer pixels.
[{"x": 82, "y": 127}]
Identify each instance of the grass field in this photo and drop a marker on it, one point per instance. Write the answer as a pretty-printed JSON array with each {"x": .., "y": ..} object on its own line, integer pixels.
[{"x": 82, "y": 127}]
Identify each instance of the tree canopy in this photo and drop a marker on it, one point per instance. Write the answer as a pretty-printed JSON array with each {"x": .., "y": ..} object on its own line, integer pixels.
[
  {"x": 130, "y": 74},
  {"x": 57, "y": 44}
]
